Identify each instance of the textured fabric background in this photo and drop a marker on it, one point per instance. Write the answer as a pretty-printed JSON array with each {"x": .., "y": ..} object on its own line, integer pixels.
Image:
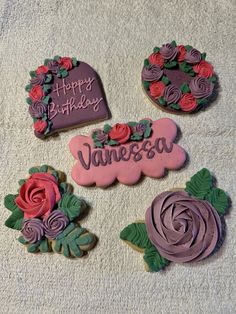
[{"x": 114, "y": 37}]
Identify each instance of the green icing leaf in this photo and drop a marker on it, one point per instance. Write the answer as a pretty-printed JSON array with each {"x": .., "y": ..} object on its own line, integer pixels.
[
  {"x": 21, "y": 182},
  {"x": 184, "y": 67},
  {"x": 136, "y": 137},
  {"x": 112, "y": 143},
  {"x": 147, "y": 132},
  {"x": 55, "y": 174},
  {"x": 15, "y": 220},
  {"x": 34, "y": 170},
  {"x": 219, "y": 200},
  {"x": 9, "y": 202},
  {"x": 136, "y": 234},
  {"x": 202, "y": 101},
  {"x": 85, "y": 239},
  {"x": 188, "y": 47},
  {"x": 200, "y": 184},
  {"x": 29, "y": 101},
  {"x": 43, "y": 168},
  {"x": 165, "y": 80},
  {"x": 146, "y": 62},
  {"x": 98, "y": 144},
  {"x": 63, "y": 72},
  {"x": 33, "y": 73},
  {"x": 46, "y": 61},
  {"x": 203, "y": 56},
  {"x": 175, "y": 106},
  {"x": 212, "y": 79},
  {"x": 185, "y": 88},
  {"x": 74, "y": 62},
  {"x": 22, "y": 240},
  {"x": 46, "y": 88},
  {"x": 171, "y": 64},
  {"x": 107, "y": 128},
  {"x": 64, "y": 187},
  {"x": 48, "y": 78},
  {"x": 70, "y": 205},
  {"x": 56, "y": 58},
  {"x": 44, "y": 246},
  {"x": 146, "y": 84},
  {"x": 28, "y": 88},
  {"x": 156, "y": 49},
  {"x": 145, "y": 122},
  {"x": 46, "y": 100},
  {"x": 154, "y": 260},
  {"x": 161, "y": 101},
  {"x": 173, "y": 43},
  {"x": 132, "y": 124}
]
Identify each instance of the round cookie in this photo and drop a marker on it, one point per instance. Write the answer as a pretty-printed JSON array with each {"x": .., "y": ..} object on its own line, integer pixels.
[{"x": 178, "y": 79}]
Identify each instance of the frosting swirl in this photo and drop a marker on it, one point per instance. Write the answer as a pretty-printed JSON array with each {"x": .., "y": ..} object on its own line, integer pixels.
[
  {"x": 193, "y": 56},
  {"x": 201, "y": 87},
  {"x": 181, "y": 227},
  {"x": 33, "y": 230},
  {"x": 37, "y": 109},
  {"x": 38, "y": 80},
  {"x": 152, "y": 73},
  {"x": 171, "y": 94},
  {"x": 101, "y": 136},
  {"x": 139, "y": 129},
  {"x": 168, "y": 51},
  {"x": 53, "y": 66},
  {"x": 55, "y": 223}
]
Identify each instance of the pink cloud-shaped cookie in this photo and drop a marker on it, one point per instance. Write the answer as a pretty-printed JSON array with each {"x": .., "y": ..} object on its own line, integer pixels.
[{"x": 127, "y": 162}]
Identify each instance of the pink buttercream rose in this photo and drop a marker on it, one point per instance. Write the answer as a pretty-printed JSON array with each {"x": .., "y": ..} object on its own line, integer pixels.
[{"x": 38, "y": 195}]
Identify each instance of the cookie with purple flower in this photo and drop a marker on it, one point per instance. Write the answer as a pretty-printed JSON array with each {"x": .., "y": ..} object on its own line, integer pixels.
[{"x": 177, "y": 78}]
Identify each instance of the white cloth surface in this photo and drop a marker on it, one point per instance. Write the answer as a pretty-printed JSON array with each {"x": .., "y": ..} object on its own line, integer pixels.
[{"x": 114, "y": 37}]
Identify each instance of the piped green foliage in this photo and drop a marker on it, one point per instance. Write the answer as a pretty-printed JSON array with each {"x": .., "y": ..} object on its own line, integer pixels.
[
  {"x": 70, "y": 205},
  {"x": 154, "y": 260}
]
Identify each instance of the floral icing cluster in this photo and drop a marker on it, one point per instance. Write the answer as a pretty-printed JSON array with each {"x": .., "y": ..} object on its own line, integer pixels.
[
  {"x": 39, "y": 89},
  {"x": 45, "y": 211},
  {"x": 121, "y": 133},
  {"x": 187, "y": 59},
  {"x": 181, "y": 226}
]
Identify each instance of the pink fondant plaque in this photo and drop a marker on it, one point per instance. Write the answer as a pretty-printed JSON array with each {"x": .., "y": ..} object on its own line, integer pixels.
[{"x": 127, "y": 162}]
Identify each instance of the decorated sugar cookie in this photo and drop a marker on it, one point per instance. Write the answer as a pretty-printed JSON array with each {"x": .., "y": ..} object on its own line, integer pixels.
[
  {"x": 125, "y": 151},
  {"x": 181, "y": 225},
  {"x": 47, "y": 212},
  {"x": 64, "y": 93},
  {"x": 178, "y": 78}
]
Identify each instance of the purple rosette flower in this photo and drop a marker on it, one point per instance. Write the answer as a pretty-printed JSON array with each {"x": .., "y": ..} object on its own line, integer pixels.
[
  {"x": 38, "y": 80},
  {"x": 37, "y": 109},
  {"x": 33, "y": 230},
  {"x": 168, "y": 52},
  {"x": 53, "y": 66},
  {"x": 152, "y": 73},
  {"x": 101, "y": 136},
  {"x": 139, "y": 129},
  {"x": 193, "y": 56},
  {"x": 200, "y": 87},
  {"x": 171, "y": 94},
  {"x": 55, "y": 223}
]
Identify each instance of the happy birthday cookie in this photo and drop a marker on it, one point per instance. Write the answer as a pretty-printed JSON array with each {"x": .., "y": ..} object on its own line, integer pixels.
[
  {"x": 124, "y": 152},
  {"x": 47, "y": 212},
  {"x": 180, "y": 225},
  {"x": 178, "y": 79},
  {"x": 64, "y": 93}
]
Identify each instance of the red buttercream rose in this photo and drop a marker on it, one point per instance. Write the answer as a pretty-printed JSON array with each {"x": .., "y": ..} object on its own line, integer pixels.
[
  {"x": 181, "y": 53},
  {"x": 120, "y": 133},
  {"x": 204, "y": 69},
  {"x": 65, "y": 62},
  {"x": 188, "y": 102},
  {"x": 157, "y": 89},
  {"x": 36, "y": 93},
  {"x": 156, "y": 58},
  {"x": 42, "y": 69},
  {"x": 40, "y": 126},
  {"x": 38, "y": 195}
]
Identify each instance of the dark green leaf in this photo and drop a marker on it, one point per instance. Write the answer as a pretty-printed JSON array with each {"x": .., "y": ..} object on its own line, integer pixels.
[
  {"x": 147, "y": 132},
  {"x": 85, "y": 239},
  {"x": 22, "y": 240},
  {"x": 156, "y": 49},
  {"x": 146, "y": 62},
  {"x": 70, "y": 205},
  {"x": 145, "y": 122},
  {"x": 21, "y": 182},
  {"x": 161, "y": 101},
  {"x": 33, "y": 247},
  {"x": 33, "y": 73},
  {"x": 154, "y": 260},
  {"x": 98, "y": 144},
  {"x": 146, "y": 85},
  {"x": 170, "y": 65},
  {"x": 46, "y": 88},
  {"x": 173, "y": 43},
  {"x": 46, "y": 61},
  {"x": 74, "y": 62},
  {"x": 175, "y": 106},
  {"x": 136, "y": 137},
  {"x": 55, "y": 174},
  {"x": 28, "y": 87},
  {"x": 203, "y": 56},
  {"x": 136, "y": 234},
  {"x": 132, "y": 124},
  {"x": 202, "y": 101},
  {"x": 44, "y": 168},
  {"x": 212, "y": 79},
  {"x": 112, "y": 143},
  {"x": 15, "y": 220},
  {"x": 56, "y": 58},
  {"x": 219, "y": 200},
  {"x": 34, "y": 170},
  {"x": 107, "y": 128},
  {"x": 46, "y": 100},
  {"x": 64, "y": 73},
  {"x": 185, "y": 88},
  {"x": 65, "y": 187},
  {"x": 44, "y": 246},
  {"x": 29, "y": 101},
  {"x": 165, "y": 80},
  {"x": 188, "y": 47},
  {"x": 184, "y": 67},
  {"x": 9, "y": 202},
  {"x": 200, "y": 184},
  {"x": 48, "y": 78}
]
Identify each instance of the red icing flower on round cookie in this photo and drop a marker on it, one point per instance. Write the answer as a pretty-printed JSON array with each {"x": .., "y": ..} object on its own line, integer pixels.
[
  {"x": 40, "y": 126},
  {"x": 36, "y": 93},
  {"x": 38, "y": 195},
  {"x": 188, "y": 102},
  {"x": 156, "y": 58},
  {"x": 42, "y": 69},
  {"x": 157, "y": 89},
  {"x": 204, "y": 69},
  {"x": 65, "y": 62},
  {"x": 181, "y": 53},
  {"x": 120, "y": 133}
]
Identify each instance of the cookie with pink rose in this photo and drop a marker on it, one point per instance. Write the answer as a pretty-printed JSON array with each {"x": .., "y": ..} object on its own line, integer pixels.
[
  {"x": 64, "y": 93},
  {"x": 181, "y": 225},
  {"x": 47, "y": 214},
  {"x": 177, "y": 78}
]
